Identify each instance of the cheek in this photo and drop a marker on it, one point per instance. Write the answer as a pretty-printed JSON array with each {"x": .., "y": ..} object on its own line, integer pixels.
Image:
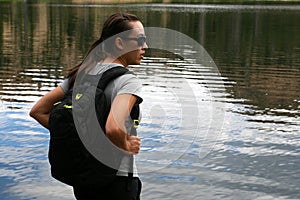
[{"x": 134, "y": 55}]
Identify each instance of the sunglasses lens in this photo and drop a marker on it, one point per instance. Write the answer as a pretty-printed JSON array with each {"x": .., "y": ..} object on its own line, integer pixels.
[{"x": 141, "y": 41}]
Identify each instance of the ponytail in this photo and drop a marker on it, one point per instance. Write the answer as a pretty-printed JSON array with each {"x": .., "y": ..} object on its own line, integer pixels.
[
  {"x": 114, "y": 25},
  {"x": 72, "y": 73}
]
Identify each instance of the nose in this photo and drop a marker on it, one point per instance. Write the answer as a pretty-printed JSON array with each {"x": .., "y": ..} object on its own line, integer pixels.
[{"x": 145, "y": 46}]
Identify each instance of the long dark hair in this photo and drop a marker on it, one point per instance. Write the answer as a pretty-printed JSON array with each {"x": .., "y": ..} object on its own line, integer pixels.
[{"x": 115, "y": 24}]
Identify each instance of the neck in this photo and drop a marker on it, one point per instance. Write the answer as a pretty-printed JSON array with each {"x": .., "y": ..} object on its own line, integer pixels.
[{"x": 111, "y": 59}]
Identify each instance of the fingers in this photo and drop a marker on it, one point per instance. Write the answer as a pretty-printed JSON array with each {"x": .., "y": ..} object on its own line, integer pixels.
[{"x": 134, "y": 144}]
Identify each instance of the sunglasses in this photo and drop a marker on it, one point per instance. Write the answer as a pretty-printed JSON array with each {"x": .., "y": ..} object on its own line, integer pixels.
[{"x": 140, "y": 40}]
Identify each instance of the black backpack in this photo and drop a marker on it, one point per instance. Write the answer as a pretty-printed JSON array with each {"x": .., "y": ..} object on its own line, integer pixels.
[{"x": 71, "y": 162}]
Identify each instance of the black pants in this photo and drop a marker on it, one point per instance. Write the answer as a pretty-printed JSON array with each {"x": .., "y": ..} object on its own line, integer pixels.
[{"x": 117, "y": 190}]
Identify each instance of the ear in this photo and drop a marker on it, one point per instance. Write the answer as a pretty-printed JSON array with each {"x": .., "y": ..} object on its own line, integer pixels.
[{"x": 119, "y": 43}]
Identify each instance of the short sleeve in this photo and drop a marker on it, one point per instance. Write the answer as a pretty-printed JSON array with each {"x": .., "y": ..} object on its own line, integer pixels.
[
  {"x": 129, "y": 84},
  {"x": 65, "y": 85}
]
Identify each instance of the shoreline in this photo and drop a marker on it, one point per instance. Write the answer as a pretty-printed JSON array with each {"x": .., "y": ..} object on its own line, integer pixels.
[
  {"x": 196, "y": 2},
  {"x": 240, "y": 2}
]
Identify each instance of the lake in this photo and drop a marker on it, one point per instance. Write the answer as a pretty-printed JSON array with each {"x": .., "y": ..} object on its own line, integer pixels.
[{"x": 221, "y": 97}]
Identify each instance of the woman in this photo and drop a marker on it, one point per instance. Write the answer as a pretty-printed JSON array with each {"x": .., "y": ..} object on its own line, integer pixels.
[{"x": 126, "y": 46}]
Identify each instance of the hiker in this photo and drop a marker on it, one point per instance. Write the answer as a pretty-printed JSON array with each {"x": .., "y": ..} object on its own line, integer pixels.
[{"x": 124, "y": 90}]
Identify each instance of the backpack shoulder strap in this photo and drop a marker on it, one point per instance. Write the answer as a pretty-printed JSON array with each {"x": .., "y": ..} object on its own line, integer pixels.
[{"x": 111, "y": 74}]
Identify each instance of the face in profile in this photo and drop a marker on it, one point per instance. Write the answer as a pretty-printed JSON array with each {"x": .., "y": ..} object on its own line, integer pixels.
[{"x": 133, "y": 45}]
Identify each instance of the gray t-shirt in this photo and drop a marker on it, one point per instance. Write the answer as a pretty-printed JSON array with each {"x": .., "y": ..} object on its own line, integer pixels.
[{"x": 125, "y": 84}]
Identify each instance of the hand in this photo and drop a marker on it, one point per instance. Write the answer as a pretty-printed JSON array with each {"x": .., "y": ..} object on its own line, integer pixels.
[{"x": 133, "y": 144}]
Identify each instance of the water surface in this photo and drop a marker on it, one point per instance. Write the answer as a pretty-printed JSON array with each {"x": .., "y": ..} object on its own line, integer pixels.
[{"x": 256, "y": 155}]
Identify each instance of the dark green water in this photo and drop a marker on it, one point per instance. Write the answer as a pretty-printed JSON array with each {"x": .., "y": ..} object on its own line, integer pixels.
[{"x": 256, "y": 49}]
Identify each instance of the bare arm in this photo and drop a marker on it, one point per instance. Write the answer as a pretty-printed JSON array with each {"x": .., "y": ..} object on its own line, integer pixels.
[
  {"x": 41, "y": 110},
  {"x": 115, "y": 125}
]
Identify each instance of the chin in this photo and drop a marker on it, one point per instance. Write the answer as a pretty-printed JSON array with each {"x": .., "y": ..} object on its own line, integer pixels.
[{"x": 137, "y": 62}]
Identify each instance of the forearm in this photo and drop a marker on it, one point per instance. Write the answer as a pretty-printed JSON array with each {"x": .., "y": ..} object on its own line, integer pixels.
[
  {"x": 115, "y": 125},
  {"x": 43, "y": 119},
  {"x": 41, "y": 110},
  {"x": 117, "y": 136},
  {"x": 124, "y": 141}
]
